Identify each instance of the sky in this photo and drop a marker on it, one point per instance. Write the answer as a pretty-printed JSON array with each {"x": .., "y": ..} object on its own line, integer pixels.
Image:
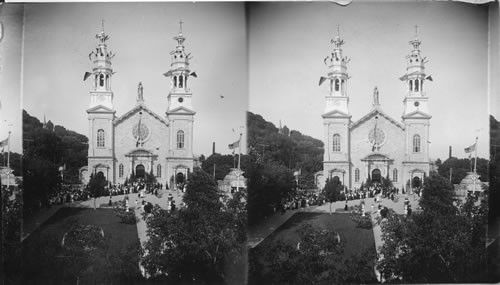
[
  {"x": 11, "y": 17},
  {"x": 288, "y": 42},
  {"x": 59, "y": 37}
]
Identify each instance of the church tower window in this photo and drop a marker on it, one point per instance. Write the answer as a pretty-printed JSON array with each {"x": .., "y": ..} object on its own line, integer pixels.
[
  {"x": 337, "y": 84},
  {"x": 100, "y": 138},
  {"x": 356, "y": 175},
  {"x": 416, "y": 143},
  {"x": 180, "y": 81},
  {"x": 175, "y": 81},
  {"x": 180, "y": 139},
  {"x": 336, "y": 142},
  {"x": 411, "y": 85},
  {"x": 416, "y": 85},
  {"x": 158, "y": 170},
  {"x": 395, "y": 175},
  {"x": 101, "y": 80},
  {"x": 120, "y": 171}
]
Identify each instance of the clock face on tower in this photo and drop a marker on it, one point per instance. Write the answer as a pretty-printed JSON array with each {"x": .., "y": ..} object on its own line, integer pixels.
[
  {"x": 376, "y": 137},
  {"x": 140, "y": 132}
]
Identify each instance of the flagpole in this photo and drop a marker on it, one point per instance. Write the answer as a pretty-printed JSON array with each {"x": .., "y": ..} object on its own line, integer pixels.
[
  {"x": 239, "y": 164},
  {"x": 475, "y": 169},
  {"x": 8, "y": 161}
]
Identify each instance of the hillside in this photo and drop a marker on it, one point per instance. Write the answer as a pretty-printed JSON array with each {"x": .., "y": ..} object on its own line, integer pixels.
[{"x": 290, "y": 148}]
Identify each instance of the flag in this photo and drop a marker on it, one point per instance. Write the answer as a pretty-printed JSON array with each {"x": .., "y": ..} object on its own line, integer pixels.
[
  {"x": 86, "y": 75},
  {"x": 322, "y": 79},
  {"x": 470, "y": 148},
  {"x": 234, "y": 145},
  {"x": 4, "y": 142}
]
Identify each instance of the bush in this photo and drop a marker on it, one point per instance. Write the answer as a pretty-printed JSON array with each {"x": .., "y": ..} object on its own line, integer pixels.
[
  {"x": 126, "y": 217},
  {"x": 362, "y": 222}
]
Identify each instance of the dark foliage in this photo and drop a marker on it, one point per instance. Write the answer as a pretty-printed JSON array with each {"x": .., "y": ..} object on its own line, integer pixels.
[
  {"x": 288, "y": 148},
  {"x": 223, "y": 164},
  {"x": 442, "y": 244},
  {"x": 45, "y": 150},
  {"x": 203, "y": 243}
]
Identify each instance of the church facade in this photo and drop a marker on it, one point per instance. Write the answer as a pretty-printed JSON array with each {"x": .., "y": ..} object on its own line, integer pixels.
[
  {"x": 140, "y": 141},
  {"x": 376, "y": 145}
]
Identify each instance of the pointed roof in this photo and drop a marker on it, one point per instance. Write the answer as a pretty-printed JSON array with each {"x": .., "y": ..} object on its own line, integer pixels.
[
  {"x": 373, "y": 113},
  {"x": 100, "y": 109},
  {"x": 181, "y": 111},
  {"x": 335, "y": 114},
  {"x": 417, "y": 115},
  {"x": 138, "y": 108}
]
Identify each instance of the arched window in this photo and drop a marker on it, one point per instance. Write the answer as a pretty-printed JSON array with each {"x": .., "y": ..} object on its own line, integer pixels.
[
  {"x": 120, "y": 170},
  {"x": 175, "y": 81},
  {"x": 411, "y": 85},
  {"x": 416, "y": 143},
  {"x": 336, "y": 142},
  {"x": 180, "y": 81},
  {"x": 180, "y": 139},
  {"x": 416, "y": 85},
  {"x": 337, "y": 84},
  {"x": 101, "y": 80},
  {"x": 100, "y": 138},
  {"x": 158, "y": 170},
  {"x": 342, "y": 85},
  {"x": 356, "y": 175},
  {"x": 107, "y": 81},
  {"x": 394, "y": 175}
]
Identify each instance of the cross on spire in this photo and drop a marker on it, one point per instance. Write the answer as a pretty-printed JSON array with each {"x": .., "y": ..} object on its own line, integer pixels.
[
  {"x": 416, "y": 31},
  {"x": 338, "y": 30},
  {"x": 180, "y": 26},
  {"x": 102, "y": 24}
]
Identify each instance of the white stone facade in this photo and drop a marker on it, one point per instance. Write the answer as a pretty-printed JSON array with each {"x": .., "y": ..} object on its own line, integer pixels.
[
  {"x": 375, "y": 145},
  {"x": 140, "y": 141}
]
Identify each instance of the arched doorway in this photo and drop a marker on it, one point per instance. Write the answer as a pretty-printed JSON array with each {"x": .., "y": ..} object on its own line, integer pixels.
[
  {"x": 179, "y": 178},
  {"x": 416, "y": 182},
  {"x": 336, "y": 179},
  {"x": 140, "y": 171},
  {"x": 376, "y": 176}
]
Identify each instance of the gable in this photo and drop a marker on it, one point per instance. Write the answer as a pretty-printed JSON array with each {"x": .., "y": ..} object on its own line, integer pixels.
[
  {"x": 100, "y": 109},
  {"x": 335, "y": 114},
  {"x": 371, "y": 115},
  {"x": 417, "y": 115},
  {"x": 136, "y": 110},
  {"x": 181, "y": 111}
]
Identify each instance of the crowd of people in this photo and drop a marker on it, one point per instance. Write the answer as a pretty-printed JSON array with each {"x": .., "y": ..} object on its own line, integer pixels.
[{"x": 303, "y": 198}]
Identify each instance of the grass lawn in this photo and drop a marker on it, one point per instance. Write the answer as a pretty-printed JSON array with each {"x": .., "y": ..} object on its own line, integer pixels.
[
  {"x": 47, "y": 238},
  {"x": 355, "y": 240}
]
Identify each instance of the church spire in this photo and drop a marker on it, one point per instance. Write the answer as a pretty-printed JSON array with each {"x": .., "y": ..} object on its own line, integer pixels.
[
  {"x": 179, "y": 73},
  {"x": 416, "y": 98},
  {"x": 337, "y": 77},
  {"x": 101, "y": 58},
  {"x": 101, "y": 93}
]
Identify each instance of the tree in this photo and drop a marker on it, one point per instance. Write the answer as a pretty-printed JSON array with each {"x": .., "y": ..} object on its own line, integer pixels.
[
  {"x": 198, "y": 243},
  {"x": 269, "y": 183},
  {"x": 11, "y": 236},
  {"x": 332, "y": 190},
  {"x": 317, "y": 259},
  {"x": 442, "y": 244},
  {"x": 438, "y": 196},
  {"x": 96, "y": 186}
]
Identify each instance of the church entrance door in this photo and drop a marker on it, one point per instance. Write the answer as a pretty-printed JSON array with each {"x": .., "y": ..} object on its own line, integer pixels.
[
  {"x": 416, "y": 183},
  {"x": 179, "y": 178},
  {"x": 139, "y": 171},
  {"x": 376, "y": 176}
]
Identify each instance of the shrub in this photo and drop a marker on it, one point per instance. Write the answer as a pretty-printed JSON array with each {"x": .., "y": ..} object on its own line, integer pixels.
[
  {"x": 362, "y": 222},
  {"x": 126, "y": 217}
]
